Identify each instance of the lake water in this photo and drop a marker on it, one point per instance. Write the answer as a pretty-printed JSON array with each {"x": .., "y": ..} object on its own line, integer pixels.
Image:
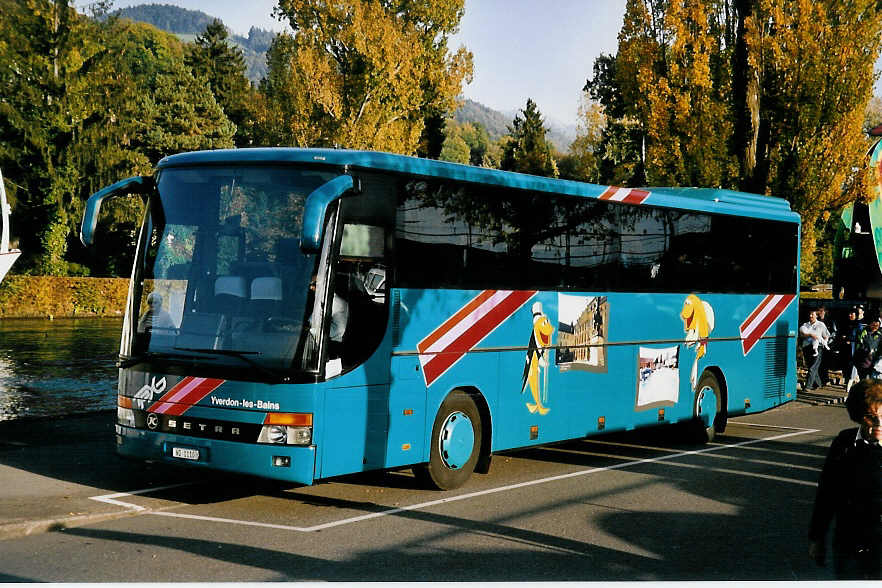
[{"x": 58, "y": 367}]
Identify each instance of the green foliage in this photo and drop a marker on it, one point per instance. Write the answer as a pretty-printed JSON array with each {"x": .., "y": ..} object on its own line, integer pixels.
[
  {"x": 455, "y": 149},
  {"x": 470, "y": 143},
  {"x": 581, "y": 163},
  {"x": 50, "y": 72},
  {"x": 189, "y": 24},
  {"x": 528, "y": 151},
  {"x": 213, "y": 59},
  {"x": 87, "y": 102},
  {"x": 496, "y": 123}
]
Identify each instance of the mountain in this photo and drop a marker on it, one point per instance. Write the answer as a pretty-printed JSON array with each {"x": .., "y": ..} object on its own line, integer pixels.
[
  {"x": 494, "y": 121},
  {"x": 172, "y": 19},
  {"x": 188, "y": 24},
  {"x": 559, "y": 134}
]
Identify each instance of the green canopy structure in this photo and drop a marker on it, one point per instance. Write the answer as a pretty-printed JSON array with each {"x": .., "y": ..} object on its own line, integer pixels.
[{"x": 857, "y": 267}]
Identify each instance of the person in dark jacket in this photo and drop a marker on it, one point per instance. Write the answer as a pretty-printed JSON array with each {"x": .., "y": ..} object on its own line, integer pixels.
[
  {"x": 850, "y": 491},
  {"x": 868, "y": 348}
]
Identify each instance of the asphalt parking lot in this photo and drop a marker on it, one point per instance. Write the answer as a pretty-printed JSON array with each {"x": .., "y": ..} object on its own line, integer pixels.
[{"x": 639, "y": 505}]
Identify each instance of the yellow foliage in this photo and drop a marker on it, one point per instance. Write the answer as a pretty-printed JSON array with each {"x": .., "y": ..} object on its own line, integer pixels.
[
  {"x": 51, "y": 296},
  {"x": 363, "y": 74}
]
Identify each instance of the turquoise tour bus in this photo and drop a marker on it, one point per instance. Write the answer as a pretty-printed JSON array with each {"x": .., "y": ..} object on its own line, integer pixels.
[{"x": 300, "y": 314}]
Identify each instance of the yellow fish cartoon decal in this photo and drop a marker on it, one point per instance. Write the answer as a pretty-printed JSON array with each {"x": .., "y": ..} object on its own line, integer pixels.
[
  {"x": 698, "y": 322},
  {"x": 537, "y": 361}
]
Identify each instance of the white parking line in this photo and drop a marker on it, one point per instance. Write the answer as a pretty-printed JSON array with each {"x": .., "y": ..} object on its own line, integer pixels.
[{"x": 111, "y": 498}]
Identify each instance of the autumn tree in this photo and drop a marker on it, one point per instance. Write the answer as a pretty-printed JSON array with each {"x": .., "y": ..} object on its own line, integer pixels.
[
  {"x": 760, "y": 95},
  {"x": 581, "y": 162},
  {"x": 815, "y": 64},
  {"x": 675, "y": 81},
  {"x": 361, "y": 74},
  {"x": 528, "y": 151}
]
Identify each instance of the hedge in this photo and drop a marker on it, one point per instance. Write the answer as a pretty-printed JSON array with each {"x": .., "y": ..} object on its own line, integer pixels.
[{"x": 57, "y": 297}]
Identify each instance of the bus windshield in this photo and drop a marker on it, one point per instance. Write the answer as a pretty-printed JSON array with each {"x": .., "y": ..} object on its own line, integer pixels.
[{"x": 220, "y": 273}]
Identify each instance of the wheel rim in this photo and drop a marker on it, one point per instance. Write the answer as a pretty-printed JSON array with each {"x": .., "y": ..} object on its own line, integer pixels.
[
  {"x": 456, "y": 440},
  {"x": 706, "y": 405}
]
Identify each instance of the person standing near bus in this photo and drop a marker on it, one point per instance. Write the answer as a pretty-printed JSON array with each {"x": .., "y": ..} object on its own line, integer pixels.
[
  {"x": 830, "y": 353},
  {"x": 847, "y": 339},
  {"x": 867, "y": 349},
  {"x": 850, "y": 491},
  {"x": 815, "y": 340}
]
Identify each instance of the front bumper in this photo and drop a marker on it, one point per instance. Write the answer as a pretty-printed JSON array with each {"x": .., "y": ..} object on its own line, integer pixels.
[{"x": 241, "y": 458}]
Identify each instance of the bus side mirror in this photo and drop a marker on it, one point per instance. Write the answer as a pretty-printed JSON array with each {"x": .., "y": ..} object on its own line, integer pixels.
[
  {"x": 316, "y": 206},
  {"x": 133, "y": 185}
]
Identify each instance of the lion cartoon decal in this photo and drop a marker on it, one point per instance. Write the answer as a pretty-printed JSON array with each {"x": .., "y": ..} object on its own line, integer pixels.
[
  {"x": 698, "y": 322},
  {"x": 537, "y": 361}
]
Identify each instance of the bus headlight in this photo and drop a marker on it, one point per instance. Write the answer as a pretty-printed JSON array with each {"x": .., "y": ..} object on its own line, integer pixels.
[
  {"x": 281, "y": 435},
  {"x": 286, "y": 429},
  {"x": 278, "y": 434},
  {"x": 299, "y": 435},
  {"x": 124, "y": 414}
]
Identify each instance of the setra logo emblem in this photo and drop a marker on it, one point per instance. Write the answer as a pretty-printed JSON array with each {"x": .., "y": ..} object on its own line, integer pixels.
[
  {"x": 149, "y": 391},
  {"x": 152, "y": 421}
]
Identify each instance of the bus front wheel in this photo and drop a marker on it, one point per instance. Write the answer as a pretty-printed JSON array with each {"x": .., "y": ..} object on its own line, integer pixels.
[{"x": 455, "y": 444}]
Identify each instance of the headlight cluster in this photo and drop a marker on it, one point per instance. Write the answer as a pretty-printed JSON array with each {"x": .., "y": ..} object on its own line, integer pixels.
[
  {"x": 125, "y": 416},
  {"x": 283, "y": 435},
  {"x": 286, "y": 429}
]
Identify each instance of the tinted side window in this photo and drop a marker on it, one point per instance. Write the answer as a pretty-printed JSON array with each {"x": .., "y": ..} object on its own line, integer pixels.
[
  {"x": 716, "y": 253},
  {"x": 457, "y": 235}
]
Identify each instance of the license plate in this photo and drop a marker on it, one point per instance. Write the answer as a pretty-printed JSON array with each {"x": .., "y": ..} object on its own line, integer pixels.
[{"x": 185, "y": 453}]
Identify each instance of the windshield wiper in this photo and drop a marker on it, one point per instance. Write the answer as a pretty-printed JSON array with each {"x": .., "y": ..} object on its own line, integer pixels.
[
  {"x": 126, "y": 361},
  {"x": 243, "y": 355}
]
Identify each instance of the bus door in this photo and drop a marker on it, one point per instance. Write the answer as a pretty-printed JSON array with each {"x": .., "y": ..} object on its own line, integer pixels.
[{"x": 365, "y": 427}]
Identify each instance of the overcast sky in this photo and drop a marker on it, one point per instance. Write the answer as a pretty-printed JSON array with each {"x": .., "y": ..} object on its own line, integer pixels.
[{"x": 522, "y": 49}]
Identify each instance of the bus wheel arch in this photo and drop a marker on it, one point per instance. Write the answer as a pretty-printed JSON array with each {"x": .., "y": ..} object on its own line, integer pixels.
[
  {"x": 711, "y": 397},
  {"x": 456, "y": 442},
  {"x": 483, "y": 464}
]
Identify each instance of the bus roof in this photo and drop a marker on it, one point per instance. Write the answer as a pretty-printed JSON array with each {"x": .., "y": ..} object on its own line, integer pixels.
[{"x": 700, "y": 199}]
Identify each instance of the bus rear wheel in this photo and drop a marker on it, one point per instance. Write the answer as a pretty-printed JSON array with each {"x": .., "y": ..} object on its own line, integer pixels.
[
  {"x": 455, "y": 444},
  {"x": 707, "y": 407}
]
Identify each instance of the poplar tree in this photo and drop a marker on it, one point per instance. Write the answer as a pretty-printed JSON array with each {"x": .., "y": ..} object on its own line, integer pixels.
[
  {"x": 814, "y": 61},
  {"x": 766, "y": 96}
]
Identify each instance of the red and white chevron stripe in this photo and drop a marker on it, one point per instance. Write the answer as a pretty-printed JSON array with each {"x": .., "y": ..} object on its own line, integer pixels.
[
  {"x": 447, "y": 344},
  {"x": 763, "y": 317},
  {"x": 626, "y": 195},
  {"x": 184, "y": 395}
]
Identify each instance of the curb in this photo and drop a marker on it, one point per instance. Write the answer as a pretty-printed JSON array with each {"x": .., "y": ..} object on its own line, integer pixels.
[
  {"x": 817, "y": 399},
  {"x": 23, "y": 529}
]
